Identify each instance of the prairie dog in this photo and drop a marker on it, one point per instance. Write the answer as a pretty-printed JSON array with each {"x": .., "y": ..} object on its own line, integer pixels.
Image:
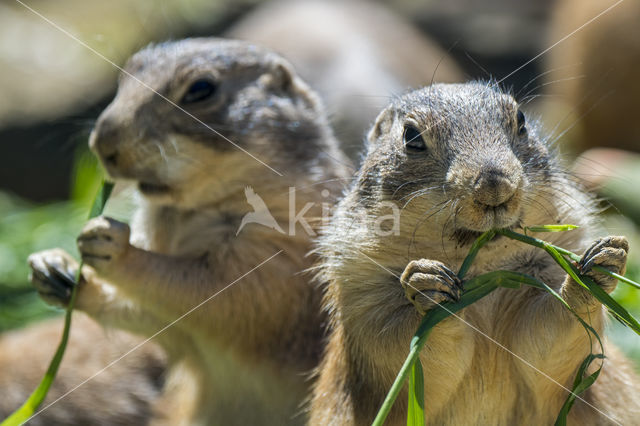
[
  {"x": 357, "y": 54},
  {"x": 458, "y": 160},
  {"x": 244, "y": 352}
]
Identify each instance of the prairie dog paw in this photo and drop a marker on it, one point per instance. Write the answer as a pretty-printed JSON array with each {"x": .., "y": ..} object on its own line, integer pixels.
[
  {"x": 102, "y": 242},
  {"x": 609, "y": 253},
  {"x": 53, "y": 275},
  {"x": 427, "y": 283}
]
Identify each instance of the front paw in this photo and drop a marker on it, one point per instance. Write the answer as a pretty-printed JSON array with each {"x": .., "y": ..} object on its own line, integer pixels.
[
  {"x": 427, "y": 283},
  {"x": 103, "y": 242},
  {"x": 609, "y": 253},
  {"x": 53, "y": 275}
]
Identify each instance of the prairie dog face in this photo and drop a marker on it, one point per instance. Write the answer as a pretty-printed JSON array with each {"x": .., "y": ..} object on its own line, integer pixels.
[
  {"x": 179, "y": 107},
  {"x": 461, "y": 158}
]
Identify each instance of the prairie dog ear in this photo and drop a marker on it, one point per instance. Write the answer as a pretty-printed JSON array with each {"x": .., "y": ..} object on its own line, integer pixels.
[
  {"x": 382, "y": 125},
  {"x": 280, "y": 77}
]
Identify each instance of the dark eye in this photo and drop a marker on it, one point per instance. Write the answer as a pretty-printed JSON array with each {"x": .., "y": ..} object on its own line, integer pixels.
[
  {"x": 413, "y": 139},
  {"x": 199, "y": 91},
  {"x": 521, "y": 128}
]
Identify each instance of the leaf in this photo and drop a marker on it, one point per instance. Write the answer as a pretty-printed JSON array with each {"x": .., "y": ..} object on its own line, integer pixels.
[
  {"x": 415, "y": 415},
  {"x": 28, "y": 409},
  {"x": 473, "y": 251},
  {"x": 550, "y": 228},
  {"x": 612, "y": 305},
  {"x": 580, "y": 384}
]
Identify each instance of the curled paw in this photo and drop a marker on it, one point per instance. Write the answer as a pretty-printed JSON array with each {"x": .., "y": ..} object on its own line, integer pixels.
[
  {"x": 609, "y": 253},
  {"x": 53, "y": 275},
  {"x": 102, "y": 242},
  {"x": 427, "y": 283}
]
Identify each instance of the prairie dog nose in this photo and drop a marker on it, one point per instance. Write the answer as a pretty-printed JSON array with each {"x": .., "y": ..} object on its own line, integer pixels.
[
  {"x": 104, "y": 140},
  {"x": 493, "y": 187}
]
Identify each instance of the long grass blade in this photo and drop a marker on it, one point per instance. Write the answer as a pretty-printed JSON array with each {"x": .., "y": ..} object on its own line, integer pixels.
[
  {"x": 27, "y": 410},
  {"x": 549, "y": 228},
  {"x": 603, "y": 297},
  {"x": 580, "y": 384},
  {"x": 416, "y": 395}
]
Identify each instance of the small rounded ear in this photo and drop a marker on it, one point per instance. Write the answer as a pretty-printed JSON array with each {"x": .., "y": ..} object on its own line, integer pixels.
[
  {"x": 280, "y": 77},
  {"x": 383, "y": 124},
  {"x": 284, "y": 76}
]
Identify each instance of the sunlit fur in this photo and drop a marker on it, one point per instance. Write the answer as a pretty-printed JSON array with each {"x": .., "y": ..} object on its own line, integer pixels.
[
  {"x": 242, "y": 357},
  {"x": 468, "y": 378}
]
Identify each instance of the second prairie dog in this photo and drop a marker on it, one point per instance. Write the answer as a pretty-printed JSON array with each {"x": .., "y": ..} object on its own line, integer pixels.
[
  {"x": 241, "y": 357},
  {"x": 357, "y": 54},
  {"x": 458, "y": 160}
]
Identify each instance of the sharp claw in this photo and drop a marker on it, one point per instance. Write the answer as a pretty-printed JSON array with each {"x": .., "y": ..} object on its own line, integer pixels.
[{"x": 64, "y": 276}]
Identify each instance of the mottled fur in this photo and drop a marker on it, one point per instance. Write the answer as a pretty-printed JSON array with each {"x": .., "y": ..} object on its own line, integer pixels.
[
  {"x": 471, "y": 134},
  {"x": 245, "y": 352}
]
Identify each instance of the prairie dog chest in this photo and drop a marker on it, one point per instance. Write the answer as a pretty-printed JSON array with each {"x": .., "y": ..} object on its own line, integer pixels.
[{"x": 188, "y": 233}]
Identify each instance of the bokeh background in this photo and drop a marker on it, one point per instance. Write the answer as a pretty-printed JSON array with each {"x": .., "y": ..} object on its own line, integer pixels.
[{"x": 54, "y": 83}]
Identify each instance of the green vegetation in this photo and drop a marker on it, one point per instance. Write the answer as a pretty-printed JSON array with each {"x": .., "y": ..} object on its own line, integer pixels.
[
  {"x": 480, "y": 286},
  {"x": 26, "y": 228},
  {"x": 28, "y": 409}
]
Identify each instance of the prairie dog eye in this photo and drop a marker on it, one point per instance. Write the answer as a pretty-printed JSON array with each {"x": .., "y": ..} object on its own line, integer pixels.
[
  {"x": 521, "y": 123},
  {"x": 413, "y": 140},
  {"x": 200, "y": 90}
]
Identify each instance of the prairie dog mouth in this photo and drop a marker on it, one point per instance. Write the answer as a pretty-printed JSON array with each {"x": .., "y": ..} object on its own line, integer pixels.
[{"x": 148, "y": 188}]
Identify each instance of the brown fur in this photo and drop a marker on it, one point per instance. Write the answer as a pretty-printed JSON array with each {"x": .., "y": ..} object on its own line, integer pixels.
[
  {"x": 125, "y": 395},
  {"x": 241, "y": 357},
  {"x": 600, "y": 62},
  {"x": 471, "y": 137}
]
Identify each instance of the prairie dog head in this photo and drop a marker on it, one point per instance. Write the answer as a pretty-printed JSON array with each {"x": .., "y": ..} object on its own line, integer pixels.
[
  {"x": 187, "y": 113},
  {"x": 458, "y": 160}
]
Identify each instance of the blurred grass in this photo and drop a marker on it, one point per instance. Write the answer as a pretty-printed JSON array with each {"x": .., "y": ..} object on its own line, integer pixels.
[{"x": 26, "y": 228}]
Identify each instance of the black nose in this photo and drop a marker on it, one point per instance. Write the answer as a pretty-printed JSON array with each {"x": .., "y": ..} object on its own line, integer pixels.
[
  {"x": 104, "y": 141},
  {"x": 493, "y": 187}
]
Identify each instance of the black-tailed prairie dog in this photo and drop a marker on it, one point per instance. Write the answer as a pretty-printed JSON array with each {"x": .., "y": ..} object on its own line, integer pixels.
[
  {"x": 194, "y": 123},
  {"x": 455, "y": 161}
]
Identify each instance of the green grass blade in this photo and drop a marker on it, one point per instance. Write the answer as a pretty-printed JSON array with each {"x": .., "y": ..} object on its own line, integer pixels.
[
  {"x": 550, "y": 228},
  {"x": 97, "y": 207},
  {"x": 619, "y": 277},
  {"x": 612, "y": 305},
  {"x": 603, "y": 297},
  {"x": 416, "y": 395},
  {"x": 28, "y": 409},
  {"x": 580, "y": 384},
  {"x": 473, "y": 251},
  {"x": 543, "y": 244}
]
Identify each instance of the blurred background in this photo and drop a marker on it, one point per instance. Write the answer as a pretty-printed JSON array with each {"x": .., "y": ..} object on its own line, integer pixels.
[{"x": 357, "y": 54}]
